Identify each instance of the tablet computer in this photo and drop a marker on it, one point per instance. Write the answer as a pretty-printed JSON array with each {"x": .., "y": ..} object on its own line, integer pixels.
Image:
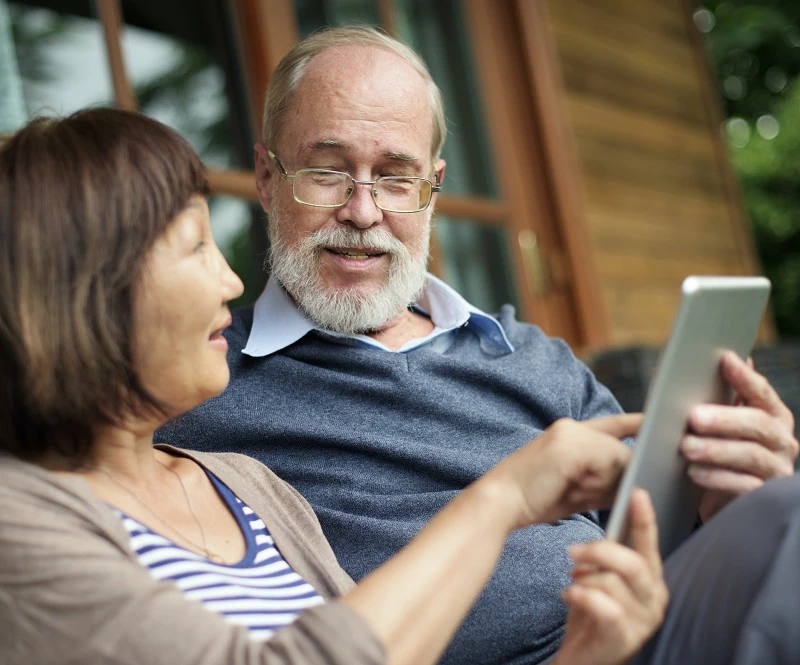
[{"x": 715, "y": 314}]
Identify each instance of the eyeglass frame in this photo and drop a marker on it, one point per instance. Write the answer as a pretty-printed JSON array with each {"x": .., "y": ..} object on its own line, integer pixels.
[{"x": 436, "y": 186}]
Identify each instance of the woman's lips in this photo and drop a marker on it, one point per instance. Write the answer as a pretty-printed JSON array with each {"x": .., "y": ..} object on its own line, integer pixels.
[{"x": 218, "y": 341}]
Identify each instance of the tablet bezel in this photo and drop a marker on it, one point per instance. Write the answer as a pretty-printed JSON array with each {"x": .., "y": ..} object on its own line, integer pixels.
[{"x": 715, "y": 314}]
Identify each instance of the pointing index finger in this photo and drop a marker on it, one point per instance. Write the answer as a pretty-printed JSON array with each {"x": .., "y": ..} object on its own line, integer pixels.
[{"x": 618, "y": 426}]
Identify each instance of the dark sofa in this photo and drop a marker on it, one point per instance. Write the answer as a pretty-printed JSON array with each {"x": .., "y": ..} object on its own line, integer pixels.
[{"x": 627, "y": 372}]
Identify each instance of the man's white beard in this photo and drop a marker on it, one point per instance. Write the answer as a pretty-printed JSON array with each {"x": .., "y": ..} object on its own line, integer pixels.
[{"x": 347, "y": 311}]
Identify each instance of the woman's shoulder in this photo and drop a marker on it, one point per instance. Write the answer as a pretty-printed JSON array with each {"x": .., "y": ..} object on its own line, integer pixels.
[
  {"x": 22, "y": 482},
  {"x": 35, "y": 503},
  {"x": 251, "y": 481},
  {"x": 226, "y": 464}
]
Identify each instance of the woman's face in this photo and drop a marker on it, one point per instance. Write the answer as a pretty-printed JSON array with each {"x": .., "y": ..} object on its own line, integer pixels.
[{"x": 179, "y": 311}]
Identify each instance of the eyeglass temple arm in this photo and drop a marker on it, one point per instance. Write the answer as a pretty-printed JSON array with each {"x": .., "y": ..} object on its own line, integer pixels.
[
  {"x": 437, "y": 183},
  {"x": 281, "y": 169}
]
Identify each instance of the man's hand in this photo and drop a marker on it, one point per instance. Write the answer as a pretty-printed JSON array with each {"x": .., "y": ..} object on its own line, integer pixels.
[
  {"x": 618, "y": 596},
  {"x": 733, "y": 450}
]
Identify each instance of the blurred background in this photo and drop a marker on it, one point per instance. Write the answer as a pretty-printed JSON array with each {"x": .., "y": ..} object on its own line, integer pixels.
[{"x": 598, "y": 151}]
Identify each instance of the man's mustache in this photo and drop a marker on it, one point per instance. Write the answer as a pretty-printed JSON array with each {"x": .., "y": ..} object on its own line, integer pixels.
[{"x": 378, "y": 240}]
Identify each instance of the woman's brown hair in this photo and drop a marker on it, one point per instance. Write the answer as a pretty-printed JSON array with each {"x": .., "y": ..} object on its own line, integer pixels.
[{"x": 82, "y": 200}]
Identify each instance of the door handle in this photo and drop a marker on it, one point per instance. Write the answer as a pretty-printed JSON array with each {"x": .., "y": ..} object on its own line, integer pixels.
[{"x": 535, "y": 264}]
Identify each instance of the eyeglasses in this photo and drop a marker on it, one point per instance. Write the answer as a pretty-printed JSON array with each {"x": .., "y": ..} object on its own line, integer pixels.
[{"x": 324, "y": 188}]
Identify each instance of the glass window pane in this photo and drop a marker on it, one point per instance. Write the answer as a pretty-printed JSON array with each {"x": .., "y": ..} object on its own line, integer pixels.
[
  {"x": 475, "y": 256},
  {"x": 188, "y": 83},
  {"x": 437, "y": 32},
  {"x": 61, "y": 58},
  {"x": 183, "y": 72},
  {"x": 186, "y": 73},
  {"x": 313, "y": 14},
  {"x": 12, "y": 102},
  {"x": 230, "y": 217},
  {"x": 237, "y": 225},
  {"x": 476, "y": 262}
]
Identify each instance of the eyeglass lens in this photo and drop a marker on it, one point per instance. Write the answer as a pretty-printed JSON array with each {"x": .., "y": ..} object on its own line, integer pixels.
[{"x": 331, "y": 188}]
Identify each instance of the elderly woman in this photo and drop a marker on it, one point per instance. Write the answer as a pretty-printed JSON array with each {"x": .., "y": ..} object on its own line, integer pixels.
[{"x": 113, "y": 298}]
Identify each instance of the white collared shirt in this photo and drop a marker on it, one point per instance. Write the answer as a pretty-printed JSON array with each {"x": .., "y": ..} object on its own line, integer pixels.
[{"x": 279, "y": 322}]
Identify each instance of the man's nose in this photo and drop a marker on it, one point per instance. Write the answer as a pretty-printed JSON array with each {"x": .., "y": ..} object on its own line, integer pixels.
[{"x": 360, "y": 209}]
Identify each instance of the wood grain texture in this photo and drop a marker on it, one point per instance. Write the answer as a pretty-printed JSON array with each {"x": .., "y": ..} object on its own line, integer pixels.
[{"x": 658, "y": 198}]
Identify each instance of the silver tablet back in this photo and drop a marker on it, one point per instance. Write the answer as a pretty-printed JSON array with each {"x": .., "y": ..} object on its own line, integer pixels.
[{"x": 715, "y": 314}]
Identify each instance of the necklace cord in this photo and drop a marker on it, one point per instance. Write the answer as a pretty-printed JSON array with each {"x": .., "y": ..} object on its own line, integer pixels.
[{"x": 213, "y": 556}]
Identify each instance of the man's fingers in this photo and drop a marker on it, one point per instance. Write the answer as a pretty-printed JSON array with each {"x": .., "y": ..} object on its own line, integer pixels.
[
  {"x": 619, "y": 426},
  {"x": 752, "y": 388},
  {"x": 729, "y": 482},
  {"x": 743, "y": 423},
  {"x": 732, "y": 483},
  {"x": 739, "y": 456}
]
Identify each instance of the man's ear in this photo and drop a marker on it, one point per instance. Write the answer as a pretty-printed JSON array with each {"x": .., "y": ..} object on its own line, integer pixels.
[
  {"x": 438, "y": 167},
  {"x": 265, "y": 170}
]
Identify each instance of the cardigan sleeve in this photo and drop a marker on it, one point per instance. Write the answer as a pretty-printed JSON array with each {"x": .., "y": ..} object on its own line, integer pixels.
[{"x": 71, "y": 593}]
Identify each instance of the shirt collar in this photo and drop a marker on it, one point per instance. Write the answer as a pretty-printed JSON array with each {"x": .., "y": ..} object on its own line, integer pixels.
[{"x": 278, "y": 322}]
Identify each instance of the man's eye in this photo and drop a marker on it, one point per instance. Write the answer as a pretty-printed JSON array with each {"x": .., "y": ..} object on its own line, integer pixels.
[
  {"x": 399, "y": 185},
  {"x": 326, "y": 179}
]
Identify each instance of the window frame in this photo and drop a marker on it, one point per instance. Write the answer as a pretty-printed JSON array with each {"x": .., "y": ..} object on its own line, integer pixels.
[{"x": 518, "y": 79}]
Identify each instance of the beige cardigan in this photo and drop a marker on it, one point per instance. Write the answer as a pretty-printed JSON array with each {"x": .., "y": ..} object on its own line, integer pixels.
[{"x": 72, "y": 591}]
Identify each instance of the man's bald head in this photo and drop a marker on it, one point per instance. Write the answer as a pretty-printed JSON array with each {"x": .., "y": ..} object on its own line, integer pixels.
[{"x": 292, "y": 67}]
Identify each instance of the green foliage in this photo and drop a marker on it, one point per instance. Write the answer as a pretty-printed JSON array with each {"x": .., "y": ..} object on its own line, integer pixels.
[
  {"x": 770, "y": 174},
  {"x": 754, "y": 48}
]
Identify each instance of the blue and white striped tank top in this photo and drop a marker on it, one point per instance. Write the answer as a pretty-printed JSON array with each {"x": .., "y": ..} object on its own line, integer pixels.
[{"x": 261, "y": 591}]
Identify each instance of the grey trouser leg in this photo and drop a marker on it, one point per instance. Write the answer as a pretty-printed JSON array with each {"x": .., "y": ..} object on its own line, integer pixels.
[{"x": 735, "y": 586}]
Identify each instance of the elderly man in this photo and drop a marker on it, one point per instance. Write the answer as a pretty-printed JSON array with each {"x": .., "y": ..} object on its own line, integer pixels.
[{"x": 378, "y": 391}]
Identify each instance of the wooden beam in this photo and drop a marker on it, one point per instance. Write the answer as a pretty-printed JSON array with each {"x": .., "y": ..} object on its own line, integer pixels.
[
  {"x": 473, "y": 208},
  {"x": 511, "y": 119},
  {"x": 241, "y": 184},
  {"x": 387, "y": 16},
  {"x": 110, "y": 13},
  {"x": 563, "y": 171},
  {"x": 267, "y": 31}
]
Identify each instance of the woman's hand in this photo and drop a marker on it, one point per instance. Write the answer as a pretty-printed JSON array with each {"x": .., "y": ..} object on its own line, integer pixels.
[
  {"x": 570, "y": 468},
  {"x": 435, "y": 579},
  {"x": 618, "y": 597}
]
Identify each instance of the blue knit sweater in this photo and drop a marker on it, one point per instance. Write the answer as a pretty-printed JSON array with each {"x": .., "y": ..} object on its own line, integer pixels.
[{"x": 378, "y": 442}]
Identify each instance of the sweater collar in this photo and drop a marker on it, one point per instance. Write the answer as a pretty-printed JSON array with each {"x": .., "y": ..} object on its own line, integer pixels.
[{"x": 278, "y": 322}]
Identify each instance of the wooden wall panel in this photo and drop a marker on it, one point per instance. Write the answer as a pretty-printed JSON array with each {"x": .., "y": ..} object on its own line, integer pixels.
[{"x": 658, "y": 206}]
